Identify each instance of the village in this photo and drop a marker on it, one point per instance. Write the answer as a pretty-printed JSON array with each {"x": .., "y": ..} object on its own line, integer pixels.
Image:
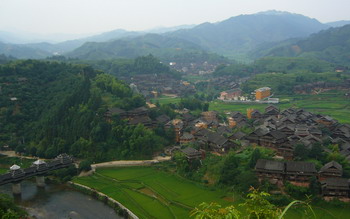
[{"x": 280, "y": 131}]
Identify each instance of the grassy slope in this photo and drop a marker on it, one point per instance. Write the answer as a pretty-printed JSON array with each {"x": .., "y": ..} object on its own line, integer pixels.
[
  {"x": 331, "y": 103},
  {"x": 152, "y": 193}
]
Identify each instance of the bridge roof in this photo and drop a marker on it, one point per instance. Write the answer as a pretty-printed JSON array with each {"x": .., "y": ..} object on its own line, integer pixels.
[
  {"x": 38, "y": 162},
  {"x": 15, "y": 167}
]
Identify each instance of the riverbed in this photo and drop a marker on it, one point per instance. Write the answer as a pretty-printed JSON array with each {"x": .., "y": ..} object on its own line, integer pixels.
[{"x": 59, "y": 202}]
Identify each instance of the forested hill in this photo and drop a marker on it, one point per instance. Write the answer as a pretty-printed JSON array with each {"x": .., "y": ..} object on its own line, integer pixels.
[
  {"x": 160, "y": 46},
  {"x": 47, "y": 108},
  {"x": 245, "y": 32},
  {"x": 330, "y": 45}
]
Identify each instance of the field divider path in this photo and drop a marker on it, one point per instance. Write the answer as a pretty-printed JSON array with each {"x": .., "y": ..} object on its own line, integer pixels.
[
  {"x": 162, "y": 200},
  {"x": 125, "y": 193}
]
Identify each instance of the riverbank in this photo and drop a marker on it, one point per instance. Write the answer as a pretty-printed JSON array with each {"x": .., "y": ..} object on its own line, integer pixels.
[
  {"x": 59, "y": 201},
  {"x": 151, "y": 192},
  {"x": 103, "y": 196}
]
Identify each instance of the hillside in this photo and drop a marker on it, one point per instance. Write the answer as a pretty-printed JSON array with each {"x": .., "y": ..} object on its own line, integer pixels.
[
  {"x": 49, "y": 108},
  {"x": 330, "y": 45},
  {"x": 160, "y": 46},
  {"x": 243, "y": 33},
  {"x": 22, "y": 51}
]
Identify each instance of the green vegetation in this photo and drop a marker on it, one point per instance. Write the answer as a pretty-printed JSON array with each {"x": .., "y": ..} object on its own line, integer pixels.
[
  {"x": 150, "y": 192},
  {"x": 255, "y": 206},
  {"x": 8, "y": 209},
  {"x": 6, "y": 162},
  {"x": 60, "y": 109},
  {"x": 329, "y": 45},
  {"x": 130, "y": 67},
  {"x": 332, "y": 103}
]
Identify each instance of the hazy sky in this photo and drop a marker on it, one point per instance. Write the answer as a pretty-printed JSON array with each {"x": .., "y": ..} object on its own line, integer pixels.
[{"x": 93, "y": 16}]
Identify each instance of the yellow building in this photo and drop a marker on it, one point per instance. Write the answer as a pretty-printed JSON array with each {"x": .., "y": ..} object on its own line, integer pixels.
[{"x": 262, "y": 93}]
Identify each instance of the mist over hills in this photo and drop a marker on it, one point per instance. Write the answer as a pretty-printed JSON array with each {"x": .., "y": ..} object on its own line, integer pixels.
[
  {"x": 245, "y": 32},
  {"x": 155, "y": 44},
  {"x": 234, "y": 37},
  {"x": 331, "y": 45}
]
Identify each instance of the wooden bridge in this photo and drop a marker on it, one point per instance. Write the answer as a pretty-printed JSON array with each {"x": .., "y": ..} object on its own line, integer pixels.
[{"x": 38, "y": 169}]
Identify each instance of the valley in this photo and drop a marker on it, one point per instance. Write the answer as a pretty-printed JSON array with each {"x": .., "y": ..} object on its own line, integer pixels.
[{"x": 247, "y": 116}]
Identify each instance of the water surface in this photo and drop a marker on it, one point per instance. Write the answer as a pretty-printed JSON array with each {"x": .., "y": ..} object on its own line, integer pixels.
[{"x": 59, "y": 202}]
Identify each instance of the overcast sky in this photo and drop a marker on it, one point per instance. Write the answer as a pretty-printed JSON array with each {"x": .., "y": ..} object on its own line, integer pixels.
[{"x": 93, "y": 16}]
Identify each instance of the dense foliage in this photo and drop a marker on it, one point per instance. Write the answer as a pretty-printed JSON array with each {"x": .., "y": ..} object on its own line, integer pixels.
[
  {"x": 330, "y": 45},
  {"x": 8, "y": 209},
  {"x": 60, "y": 108}
]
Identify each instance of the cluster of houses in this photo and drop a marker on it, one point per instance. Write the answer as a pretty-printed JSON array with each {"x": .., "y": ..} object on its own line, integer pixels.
[
  {"x": 153, "y": 85},
  {"x": 194, "y": 68},
  {"x": 278, "y": 130},
  {"x": 300, "y": 173},
  {"x": 261, "y": 95},
  {"x": 321, "y": 86}
]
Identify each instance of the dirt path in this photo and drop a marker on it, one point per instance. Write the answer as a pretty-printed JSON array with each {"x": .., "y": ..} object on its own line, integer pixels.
[
  {"x": 13, "y": 154},
  {"x": 121, "y": 163}
]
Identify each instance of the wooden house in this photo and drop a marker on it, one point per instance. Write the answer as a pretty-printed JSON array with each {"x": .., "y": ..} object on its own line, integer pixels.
[
  {"x": 255, "y": 114},
  {"x": 335, "y": 187},
  {"x": 186, "y": 138},
  {"x": 287, "y": 129},
  {"x": 254, "y": 137},
  {"x": 286, "y": 151},
  {"x": 299, "y": 173},
  {"x": 115, "y": 111},
  {"x": 269, "y": 170},
  {"x": 331, "y": 170},
  {"x": 273, "y": 139},
  {"x": 271, "y": 111},
  {"x": 191, "y": 153},
  {"x": 140, "y": 111}
]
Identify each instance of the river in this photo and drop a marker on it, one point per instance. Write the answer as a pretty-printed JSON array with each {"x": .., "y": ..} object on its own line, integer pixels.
[{"x": 59, "y": 202}]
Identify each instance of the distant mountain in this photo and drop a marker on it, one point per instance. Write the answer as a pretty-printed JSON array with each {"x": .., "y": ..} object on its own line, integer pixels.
[
  {"x": 245, "y": 32},
  {"x": 338, "y": 23},
  {"x": 332, "y": 45},
  {"x": 158, "y": 45},
  {"x": 236, "y": 37},
  {"x": 22, "y": 51},
  {"x": 169, "y": 29}
]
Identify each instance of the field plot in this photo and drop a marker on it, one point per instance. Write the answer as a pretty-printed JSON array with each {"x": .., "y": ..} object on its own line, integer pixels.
[
  {"x": 333, "y": 104},
  {"x": 151, "y": 193}
]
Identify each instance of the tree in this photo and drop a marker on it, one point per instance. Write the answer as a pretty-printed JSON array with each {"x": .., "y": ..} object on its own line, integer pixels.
[
  {"x": 85, "y": 165},
  {"x": 229, "y": 169},
  {"x": 256, "y": 155},
  {"x": 256, "y": 206},
  {"x": 301, "y": 152}
]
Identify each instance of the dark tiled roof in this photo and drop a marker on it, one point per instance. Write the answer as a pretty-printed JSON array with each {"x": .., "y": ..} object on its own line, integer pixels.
[
  {"x": 217, "y": 139},
  {"x": 140, "y": 119},
  {"x": 336, "y": 183},
  {"x": 271, "y": 165},
  {"x": 141, "y": 109},
  {"x": 163, "y": 119},
  {"x": 278, "y": 135},
  {"x": 330, "y": 165},
  {"x": 187, "y": 136},
  {"x": 300, "y": 166},
  {"x": 238, "y": 135},
  {"x": 116, "y": 111},
  {"x": 190, "y": 151},
  {"x": 224, "y": 130}
]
